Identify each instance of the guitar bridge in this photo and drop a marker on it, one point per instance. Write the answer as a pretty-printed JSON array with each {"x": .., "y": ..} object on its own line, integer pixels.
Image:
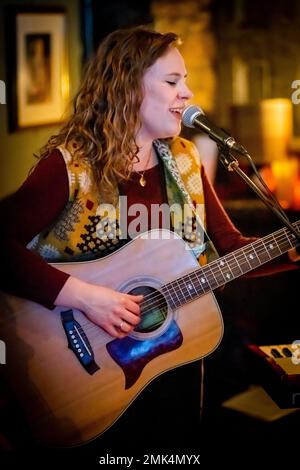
[{"x": 78, "y": 342}]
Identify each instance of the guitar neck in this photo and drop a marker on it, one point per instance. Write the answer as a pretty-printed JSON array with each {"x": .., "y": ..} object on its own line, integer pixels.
[{"x": 229, "y": 267}]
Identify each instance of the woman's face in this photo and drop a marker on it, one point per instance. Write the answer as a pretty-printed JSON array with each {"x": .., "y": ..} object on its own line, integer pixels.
[{"x": 165, "y": 96}]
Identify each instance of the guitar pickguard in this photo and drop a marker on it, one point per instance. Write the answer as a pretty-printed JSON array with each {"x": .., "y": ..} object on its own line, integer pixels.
[{"x": 133, "y": 355}]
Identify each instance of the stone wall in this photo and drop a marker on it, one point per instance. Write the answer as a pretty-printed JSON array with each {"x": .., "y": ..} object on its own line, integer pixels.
[{"x": 191, "y": 19}]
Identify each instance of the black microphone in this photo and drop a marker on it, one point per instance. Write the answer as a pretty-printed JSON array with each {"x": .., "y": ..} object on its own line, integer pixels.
[{"x": 193, "y": 116}]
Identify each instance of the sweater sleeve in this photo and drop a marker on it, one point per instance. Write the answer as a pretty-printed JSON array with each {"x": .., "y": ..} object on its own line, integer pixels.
[
  {"x": 228, "y": 238},
  {"x": 29, "y": 210}
]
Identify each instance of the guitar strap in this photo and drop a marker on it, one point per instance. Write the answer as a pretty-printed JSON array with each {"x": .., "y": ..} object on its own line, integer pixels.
[{"x": 191, "y": 227}]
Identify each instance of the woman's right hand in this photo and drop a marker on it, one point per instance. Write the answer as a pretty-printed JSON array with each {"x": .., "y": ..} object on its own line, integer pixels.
[{"x": 116, "y": 312}]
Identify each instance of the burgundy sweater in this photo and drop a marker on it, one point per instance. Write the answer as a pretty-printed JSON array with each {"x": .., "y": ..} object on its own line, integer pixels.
[{"x": 42, "y": 197}]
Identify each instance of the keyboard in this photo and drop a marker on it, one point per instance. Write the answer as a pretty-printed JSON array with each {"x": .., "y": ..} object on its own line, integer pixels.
[{"x": 277, "y": 368}]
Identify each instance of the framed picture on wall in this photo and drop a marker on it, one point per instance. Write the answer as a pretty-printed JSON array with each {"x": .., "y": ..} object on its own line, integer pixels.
[{"x": 37, "y": 67}]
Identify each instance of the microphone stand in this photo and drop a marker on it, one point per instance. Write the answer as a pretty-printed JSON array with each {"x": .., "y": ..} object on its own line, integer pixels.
[{"x": 232, "y": 164}]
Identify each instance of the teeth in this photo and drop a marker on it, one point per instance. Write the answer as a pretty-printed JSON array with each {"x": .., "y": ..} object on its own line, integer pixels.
[{"x": 176, "y": 110}]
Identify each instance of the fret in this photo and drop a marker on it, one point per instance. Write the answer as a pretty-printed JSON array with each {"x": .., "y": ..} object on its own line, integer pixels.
[
  {"x": 190, "y": 285},
  {"x": 273, "y": 246},
  {"x": 234, "y": 265},
  {"x": 197, "y": 283},
  {"x": 215, "y": 275},
  {"x": 262, "y": 252},
  {"x": 169, "y": 297},
  {"x": 179, "y": 292},
  {"x": 294, "y": 242},
  {"x": 225, "y": 268},
  {"x": 171, "y": 290},
  {"x": 285, "y": 243},
  {"x": 238, "y": 266},
  {"x": 269, "y": 247},
  {"x": 203, "y": 281},
  {"x": 187, "y": 288},
  {"x": 252, "y": 256},
  {"x": 243, "y": 261},
  {"x": 218, "y": 272},
  {"x": 210, "y": 277}
]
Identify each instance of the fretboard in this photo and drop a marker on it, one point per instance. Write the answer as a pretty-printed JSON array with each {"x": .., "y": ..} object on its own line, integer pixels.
[{"x": 231, "y": 266}]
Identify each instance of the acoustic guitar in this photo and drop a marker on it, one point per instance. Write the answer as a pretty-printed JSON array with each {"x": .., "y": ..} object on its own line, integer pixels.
[{"x": 72, "y": 379}]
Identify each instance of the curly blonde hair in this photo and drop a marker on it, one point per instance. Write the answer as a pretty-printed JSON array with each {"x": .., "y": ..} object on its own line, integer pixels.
[{"x": 105, "y": 118}]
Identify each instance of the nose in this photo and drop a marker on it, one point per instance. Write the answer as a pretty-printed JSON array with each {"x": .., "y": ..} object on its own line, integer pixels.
[{"x": 185, "y": 93}]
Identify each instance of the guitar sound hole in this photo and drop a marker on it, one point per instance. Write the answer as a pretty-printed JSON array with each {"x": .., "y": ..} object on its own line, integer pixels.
[{"x": 154, "y": 309}]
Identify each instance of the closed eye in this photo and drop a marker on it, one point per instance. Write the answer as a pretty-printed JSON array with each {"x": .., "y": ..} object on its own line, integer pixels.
[{"x": 171, "y": 83}]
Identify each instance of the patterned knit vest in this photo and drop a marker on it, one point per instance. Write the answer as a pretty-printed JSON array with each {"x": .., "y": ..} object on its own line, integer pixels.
[{"x": 88, "y": 228}]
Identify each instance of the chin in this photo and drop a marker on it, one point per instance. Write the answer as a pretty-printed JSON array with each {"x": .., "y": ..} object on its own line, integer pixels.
[{"x": 172, "y": 133}]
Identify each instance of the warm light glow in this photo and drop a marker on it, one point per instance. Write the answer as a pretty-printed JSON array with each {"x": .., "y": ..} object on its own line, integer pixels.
[
  {"x": 65, "y": 85},
  {"x": 296, "y": 202},
  {"x": 286, "y": 177},
  {"x": 276, "y": 127},
  {"x": 268, "y": 177},
  {"x": 264, "y": 128}
]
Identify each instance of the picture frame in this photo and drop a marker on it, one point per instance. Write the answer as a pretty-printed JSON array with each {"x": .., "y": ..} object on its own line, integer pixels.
[{"x": 37, "y": 66}]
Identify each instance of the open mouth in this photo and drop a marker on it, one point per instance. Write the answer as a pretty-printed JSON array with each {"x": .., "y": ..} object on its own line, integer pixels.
[{"x": 176, "y": 112}]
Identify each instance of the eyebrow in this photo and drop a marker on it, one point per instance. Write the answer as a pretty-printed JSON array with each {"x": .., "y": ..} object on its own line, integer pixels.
[{"x": 176, "y": 74}]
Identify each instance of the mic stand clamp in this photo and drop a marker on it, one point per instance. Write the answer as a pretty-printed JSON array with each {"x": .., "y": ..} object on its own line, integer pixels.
[{"x": 232, "y": 164}]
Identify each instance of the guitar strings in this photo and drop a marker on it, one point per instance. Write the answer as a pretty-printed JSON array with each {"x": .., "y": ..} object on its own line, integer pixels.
[
  {"x": 150, "y": 300},
  {"x": 152, "y": 296},
  {"x": 158, "y": 296},
  {"x": 210, "y": 267}
]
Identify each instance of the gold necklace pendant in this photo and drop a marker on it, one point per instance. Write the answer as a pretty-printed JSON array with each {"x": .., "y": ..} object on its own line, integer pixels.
[{"x": 142, "y": 181}]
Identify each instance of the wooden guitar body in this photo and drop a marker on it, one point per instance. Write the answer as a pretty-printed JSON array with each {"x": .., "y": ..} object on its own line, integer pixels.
[{"x": 72, "y": 379}]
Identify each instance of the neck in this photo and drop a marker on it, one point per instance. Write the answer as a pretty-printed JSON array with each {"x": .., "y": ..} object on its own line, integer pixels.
[{"x": 147, "y": 157}]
